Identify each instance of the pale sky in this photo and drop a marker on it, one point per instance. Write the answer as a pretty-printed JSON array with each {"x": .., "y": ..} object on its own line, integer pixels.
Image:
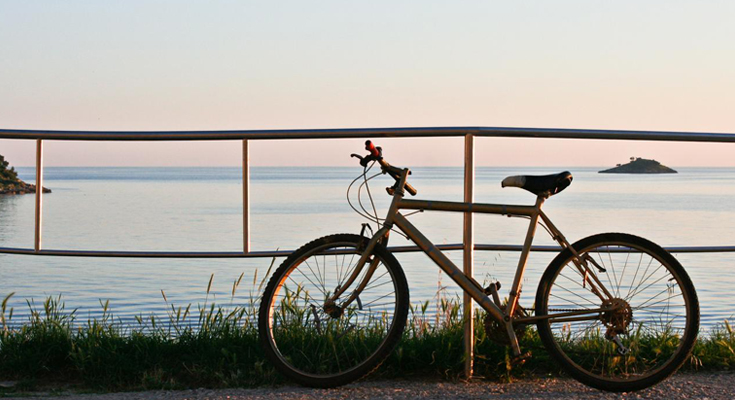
[{"x": 185, "y": 65}]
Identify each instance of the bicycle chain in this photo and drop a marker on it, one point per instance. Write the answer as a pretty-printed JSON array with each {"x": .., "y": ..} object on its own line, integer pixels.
[{"x": 557, "y": 309}]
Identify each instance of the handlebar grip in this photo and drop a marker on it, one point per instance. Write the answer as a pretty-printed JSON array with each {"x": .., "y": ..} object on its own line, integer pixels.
[
  {"x": 410, "y": 189},
  {"x": 369, "y": 146}
]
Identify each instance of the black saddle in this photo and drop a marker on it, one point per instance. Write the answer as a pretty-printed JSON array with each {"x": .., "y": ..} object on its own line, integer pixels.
[{"x": 547, "y": 185}]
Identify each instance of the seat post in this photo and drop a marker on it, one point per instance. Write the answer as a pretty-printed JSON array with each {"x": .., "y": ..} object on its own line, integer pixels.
[{"x": 540, "y": 199}]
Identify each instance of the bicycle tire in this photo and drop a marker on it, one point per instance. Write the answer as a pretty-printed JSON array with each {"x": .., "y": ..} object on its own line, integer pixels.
[
  {"x": 310, "y": 361},
  {"x": 629, "y": 372}
]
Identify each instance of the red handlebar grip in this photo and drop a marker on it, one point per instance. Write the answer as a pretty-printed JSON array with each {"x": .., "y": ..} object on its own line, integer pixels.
[{"x": 369, "y": 146}]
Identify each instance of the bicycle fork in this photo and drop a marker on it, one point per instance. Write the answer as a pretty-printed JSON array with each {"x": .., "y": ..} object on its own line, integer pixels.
[{"x": 330, "y": 306}]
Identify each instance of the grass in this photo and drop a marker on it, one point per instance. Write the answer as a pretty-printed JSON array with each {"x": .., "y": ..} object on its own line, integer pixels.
[{"x": 217, "y": 346}]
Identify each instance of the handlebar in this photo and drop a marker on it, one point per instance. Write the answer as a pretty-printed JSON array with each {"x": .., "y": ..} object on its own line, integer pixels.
[
  {"x": 376, "y": 154},
  {"x": 410, "y": 189}
]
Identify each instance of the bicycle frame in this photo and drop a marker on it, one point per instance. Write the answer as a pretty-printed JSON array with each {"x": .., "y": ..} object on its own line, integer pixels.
[{"x": 467, "y": 283}]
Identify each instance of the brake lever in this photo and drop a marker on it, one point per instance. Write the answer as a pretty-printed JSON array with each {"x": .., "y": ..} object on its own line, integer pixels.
[{"x": 364, "y": 160}]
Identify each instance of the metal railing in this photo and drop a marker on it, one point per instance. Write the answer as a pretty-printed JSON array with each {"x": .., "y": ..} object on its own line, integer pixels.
[{"x": 468, "y": 133}]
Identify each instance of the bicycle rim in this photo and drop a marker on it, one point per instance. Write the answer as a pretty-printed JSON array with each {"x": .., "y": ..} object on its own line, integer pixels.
[{"x": 652, "y": 330}]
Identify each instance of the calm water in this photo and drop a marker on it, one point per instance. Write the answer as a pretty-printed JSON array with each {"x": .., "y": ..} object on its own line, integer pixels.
[{"x": 199, "y": 209}]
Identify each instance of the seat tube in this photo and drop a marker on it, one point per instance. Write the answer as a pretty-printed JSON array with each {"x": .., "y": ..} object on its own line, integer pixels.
[{"x": 515, "y": 290}]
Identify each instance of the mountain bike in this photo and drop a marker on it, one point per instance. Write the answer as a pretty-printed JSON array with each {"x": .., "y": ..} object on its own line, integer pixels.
[{"x": 616, "y": 311}]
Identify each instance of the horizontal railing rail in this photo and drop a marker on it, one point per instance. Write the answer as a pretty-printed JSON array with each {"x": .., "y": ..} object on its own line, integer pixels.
[
  {"x": 468, "y": 133},
  {"x": 285, "y": 253},
  {"x": 370, "y": 132}
]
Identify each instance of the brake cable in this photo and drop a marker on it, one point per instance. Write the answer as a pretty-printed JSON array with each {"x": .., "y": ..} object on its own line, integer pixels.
[
  {"x": 366, "y": 213},
  {"x": 370, "y": 196},
  {"x": 349, "y": 188}
]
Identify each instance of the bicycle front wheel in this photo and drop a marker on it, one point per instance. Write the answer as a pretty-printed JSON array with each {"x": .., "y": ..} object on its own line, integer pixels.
[
  {"x": 310, "y": 342},
  {"x": 651, "y": 330}
]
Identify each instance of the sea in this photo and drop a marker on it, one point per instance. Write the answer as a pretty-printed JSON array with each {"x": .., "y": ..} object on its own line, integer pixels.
[{"x": 200, "y": 209}]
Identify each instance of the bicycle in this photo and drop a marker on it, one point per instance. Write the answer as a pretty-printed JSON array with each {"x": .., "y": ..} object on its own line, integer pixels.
[{"x": 336, "y": 307}]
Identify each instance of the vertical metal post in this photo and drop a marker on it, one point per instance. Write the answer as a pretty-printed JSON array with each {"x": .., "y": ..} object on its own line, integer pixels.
[
  {"x": 245, "y": 197},
  {"x": 39, "y": 194},
  {"x": 468, "y": 254}
]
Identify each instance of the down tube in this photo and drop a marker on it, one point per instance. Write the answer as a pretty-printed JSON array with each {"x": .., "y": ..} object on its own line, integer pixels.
[{"x": 448, "y": 266}]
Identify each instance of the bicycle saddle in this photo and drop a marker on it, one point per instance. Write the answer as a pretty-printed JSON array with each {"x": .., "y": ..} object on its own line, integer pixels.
[{"x": 540, "y": 184}]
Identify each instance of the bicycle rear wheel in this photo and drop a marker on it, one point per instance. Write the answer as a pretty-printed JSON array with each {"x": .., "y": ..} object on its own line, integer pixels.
[
  {"x": 652, "y": 330},
  {"x": 316, "y": 346}
]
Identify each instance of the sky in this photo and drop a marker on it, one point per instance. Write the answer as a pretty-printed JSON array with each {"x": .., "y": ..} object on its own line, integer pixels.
[{"x": 210, "y": 65}]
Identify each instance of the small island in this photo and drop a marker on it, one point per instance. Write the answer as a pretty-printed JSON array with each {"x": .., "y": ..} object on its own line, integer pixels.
[
  {"x": 11, "y": 184},
  {"x": 639, "y": 165}
]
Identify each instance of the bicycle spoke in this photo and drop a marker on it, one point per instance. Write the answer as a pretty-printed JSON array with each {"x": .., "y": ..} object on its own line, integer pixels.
[
  {"x": 575, "y": 303},
  {"x": 319, "y": 287},
  {"x": 576, "y": 294},
  {"x": 379, "y": 298},
  {"x": 612, "y": 266},
  {"x": 316, "y": 276},
  {"x": 643, "y": 280}
]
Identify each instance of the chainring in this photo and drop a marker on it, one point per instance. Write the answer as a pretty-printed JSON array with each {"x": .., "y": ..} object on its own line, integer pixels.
[{"x": 497, "y": 332}]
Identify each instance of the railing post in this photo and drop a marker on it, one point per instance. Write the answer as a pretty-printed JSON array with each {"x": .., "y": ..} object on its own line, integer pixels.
[
  {"x": 245, "y": 197},
  {"x": 39, "y": 195},
  {"x": 467, "y": 254}
]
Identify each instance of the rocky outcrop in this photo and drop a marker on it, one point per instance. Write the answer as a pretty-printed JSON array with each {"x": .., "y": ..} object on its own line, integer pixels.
[
  {"x": 639, "y": 165},
  {"x": 11, "y": 184}
]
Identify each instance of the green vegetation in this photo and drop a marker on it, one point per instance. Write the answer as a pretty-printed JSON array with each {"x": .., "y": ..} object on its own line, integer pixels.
[
  {"x": 11, "y": 184},
  {"x": 213, "y": 346},
  {"x": 7, "y": 175}
]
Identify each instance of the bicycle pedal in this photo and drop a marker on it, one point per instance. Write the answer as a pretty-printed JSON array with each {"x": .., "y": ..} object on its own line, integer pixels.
[
  {"x": 492, "y": 290},
  {"x": 520, "y": 359}
]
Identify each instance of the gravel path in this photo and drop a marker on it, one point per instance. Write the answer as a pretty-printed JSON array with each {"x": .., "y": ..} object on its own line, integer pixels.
[{"x": 682, "y": 386}]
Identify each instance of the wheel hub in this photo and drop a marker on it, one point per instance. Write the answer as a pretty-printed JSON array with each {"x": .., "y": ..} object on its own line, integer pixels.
[
  {"x": 333, "y": 310},
  {"x": 618, "y": 317}
]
